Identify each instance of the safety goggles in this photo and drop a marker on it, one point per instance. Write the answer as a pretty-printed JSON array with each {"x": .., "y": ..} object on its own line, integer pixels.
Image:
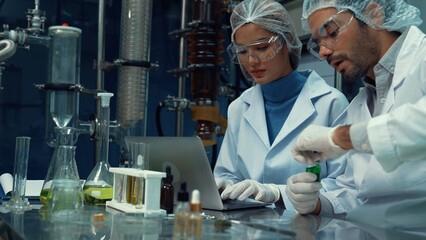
[
  {"x": 328, "y": 32},
  {"x": 262, "y": 50}
]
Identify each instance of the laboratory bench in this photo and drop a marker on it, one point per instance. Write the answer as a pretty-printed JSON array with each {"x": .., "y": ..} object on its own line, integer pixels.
[{"x": 258, "y": 223}]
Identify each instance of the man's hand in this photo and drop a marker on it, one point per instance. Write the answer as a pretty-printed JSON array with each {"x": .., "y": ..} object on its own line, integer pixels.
[
  {"x": 303, "y": 191},
  {"x": 268, "y": 193},
  {"x": 315, "y": 143}
]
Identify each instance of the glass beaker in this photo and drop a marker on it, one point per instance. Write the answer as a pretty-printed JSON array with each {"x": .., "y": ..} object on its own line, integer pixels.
[
  {"x": 64, "y": 168},
  {"x": 98, "y": 186},
  {"x": 67, "y": 198}
]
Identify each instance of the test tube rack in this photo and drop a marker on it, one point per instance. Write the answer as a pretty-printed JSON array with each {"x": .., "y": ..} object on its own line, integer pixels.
[{"x": 151, "y": 191}]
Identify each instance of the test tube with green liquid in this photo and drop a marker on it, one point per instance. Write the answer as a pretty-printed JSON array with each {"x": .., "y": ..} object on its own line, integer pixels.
[{"x": 315, "y": 169}]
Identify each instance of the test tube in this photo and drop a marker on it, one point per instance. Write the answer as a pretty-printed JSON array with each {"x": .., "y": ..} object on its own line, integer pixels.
[
  {"x": 18, "y": 200},
  {"x": 139, "y": 153}
]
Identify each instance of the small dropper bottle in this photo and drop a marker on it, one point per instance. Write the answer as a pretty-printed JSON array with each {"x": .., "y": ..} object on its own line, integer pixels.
[
  {"x": 195, "y": 217},
  {"x": 180, "y": 227},
  {"x": 167, "y": 192}
]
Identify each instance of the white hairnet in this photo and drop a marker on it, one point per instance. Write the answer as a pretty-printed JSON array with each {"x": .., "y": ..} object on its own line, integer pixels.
[
  {"x": 398, "y": 15},
  {"x": 272, "y": 16}
]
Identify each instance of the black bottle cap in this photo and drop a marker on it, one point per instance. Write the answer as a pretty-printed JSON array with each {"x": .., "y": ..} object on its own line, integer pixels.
[
  {"x": 183, "y": 195},
  {"x": 169, "y": 176}
]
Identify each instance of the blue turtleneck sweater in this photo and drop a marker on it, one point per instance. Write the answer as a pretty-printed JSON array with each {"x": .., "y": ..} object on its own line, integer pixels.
[{"x": 279, "y": 97}]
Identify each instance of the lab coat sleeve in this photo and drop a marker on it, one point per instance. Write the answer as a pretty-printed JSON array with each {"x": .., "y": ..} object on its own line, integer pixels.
[
  {"x": 344, "y": 196},
  {"x": 399, "y": 136},
  {"x": 335, "y": 167},
  {"x": 226, "y": 166}
]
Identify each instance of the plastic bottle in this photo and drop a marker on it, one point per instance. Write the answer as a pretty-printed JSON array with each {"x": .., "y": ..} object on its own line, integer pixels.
[
  {"x": 180, "y": 227},
  {"x": 98, "y": 186},
  {"x": 167, "y": 192},
  {"x": 195, "y": 218},
  {"x": 315, "y": 169}
]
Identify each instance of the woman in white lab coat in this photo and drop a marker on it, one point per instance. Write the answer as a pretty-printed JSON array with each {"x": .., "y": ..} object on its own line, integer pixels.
[
  {"x": 394, "y": 195},
  {"x": 255, "y": 158}
]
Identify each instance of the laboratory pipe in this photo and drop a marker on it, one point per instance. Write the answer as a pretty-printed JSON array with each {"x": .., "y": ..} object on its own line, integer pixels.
[
  {"x": 22, "y": 36},
  {"x": 132, "y": 89},
  {"x": 205, "y": 58},
  {"x": 180, "y": 225},
  {"x": 7, "y": 49},
  {"x": 205, "y": 48},
  {"x": 98, "y": 185},
  {"x": 182, "y": 63},
  {"x": 18, "y": 202}
]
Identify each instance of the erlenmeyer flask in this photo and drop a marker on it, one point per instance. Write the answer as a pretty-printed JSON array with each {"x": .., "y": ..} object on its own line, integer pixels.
[{"x": 66, "y": 136}]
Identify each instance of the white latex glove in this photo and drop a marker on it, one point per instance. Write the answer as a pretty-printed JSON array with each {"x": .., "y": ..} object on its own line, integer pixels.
[
  {"x": 315, "y": 144},
  {"x": 268, "y": 193},
  {"x": 303, "y": 191},
  {"x": 223, "y": 183}
]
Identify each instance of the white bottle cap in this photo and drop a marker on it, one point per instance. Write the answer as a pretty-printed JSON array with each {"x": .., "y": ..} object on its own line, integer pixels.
[{"x": 195, "y": 197}]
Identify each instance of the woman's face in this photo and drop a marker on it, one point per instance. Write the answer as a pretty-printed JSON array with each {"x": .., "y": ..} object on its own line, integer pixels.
[{"x": 262, "y": 71}]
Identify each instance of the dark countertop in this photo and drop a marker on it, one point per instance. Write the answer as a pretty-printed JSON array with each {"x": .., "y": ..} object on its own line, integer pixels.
[{"x": 258, "y": 223}]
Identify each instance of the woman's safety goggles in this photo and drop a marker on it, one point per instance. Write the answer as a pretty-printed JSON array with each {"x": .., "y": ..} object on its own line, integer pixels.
[
  {"x": 328, "y": 32},
  {"x": 261, "y": 50}
]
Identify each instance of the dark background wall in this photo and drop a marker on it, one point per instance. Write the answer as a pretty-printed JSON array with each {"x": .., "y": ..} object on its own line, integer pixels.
[{"x": 22, "y": 106}]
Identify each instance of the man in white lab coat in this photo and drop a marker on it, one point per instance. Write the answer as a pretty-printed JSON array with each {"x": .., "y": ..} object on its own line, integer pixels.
[{"x": 377, "y": 40}]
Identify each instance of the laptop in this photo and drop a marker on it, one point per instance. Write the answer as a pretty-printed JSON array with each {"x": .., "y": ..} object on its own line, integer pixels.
[{"x": 188, "y": 161}]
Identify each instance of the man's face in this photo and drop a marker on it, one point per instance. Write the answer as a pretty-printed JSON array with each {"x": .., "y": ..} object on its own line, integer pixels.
[{"x": 348, "y": 46}]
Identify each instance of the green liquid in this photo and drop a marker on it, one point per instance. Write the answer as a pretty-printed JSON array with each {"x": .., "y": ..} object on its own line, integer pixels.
[
  {"x": 97, "y": 199},
  {"x": 315, "y": 170},
  {"x": 46, "y": 197}
]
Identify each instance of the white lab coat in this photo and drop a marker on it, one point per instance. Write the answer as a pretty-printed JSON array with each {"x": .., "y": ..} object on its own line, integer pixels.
[
  {"x": 246, "y": 152},
  {"x": 393, "y": 135},
  {"x": 370, "y": 194}
]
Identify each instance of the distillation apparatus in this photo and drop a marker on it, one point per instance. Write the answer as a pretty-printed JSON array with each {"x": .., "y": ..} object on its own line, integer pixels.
[
  {"x": 32, "y": 34},
  {"x": 205, "y": 48},
  {"x": 133, "y": 72},
  {"x": 62, "y": 86}
]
